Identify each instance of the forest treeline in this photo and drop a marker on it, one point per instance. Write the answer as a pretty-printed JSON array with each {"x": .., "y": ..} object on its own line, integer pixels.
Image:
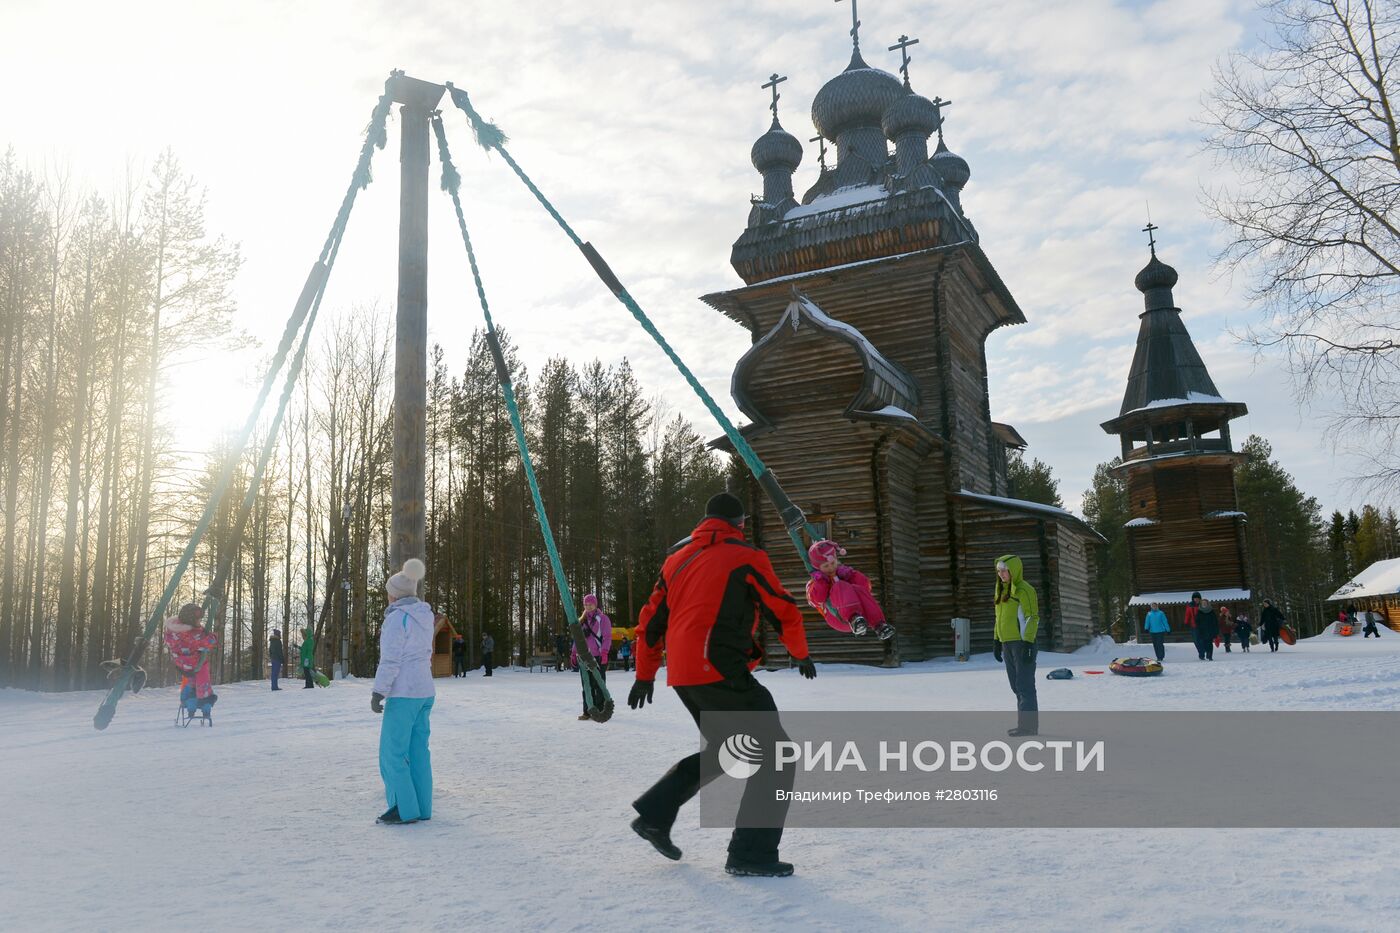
[{"x": 109, "y": 304}]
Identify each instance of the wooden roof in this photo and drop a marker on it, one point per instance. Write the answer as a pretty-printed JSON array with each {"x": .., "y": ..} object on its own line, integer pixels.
[
  {"x": 883, "y": 282},
  {"x": 886, "y": 389},
  {"x": 1008, "y": 435}
]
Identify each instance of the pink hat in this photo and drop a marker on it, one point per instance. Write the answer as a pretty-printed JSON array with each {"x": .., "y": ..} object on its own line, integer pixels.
[
  {"x": 822, "y": 550},
  {"x": 590, "y": 598}
]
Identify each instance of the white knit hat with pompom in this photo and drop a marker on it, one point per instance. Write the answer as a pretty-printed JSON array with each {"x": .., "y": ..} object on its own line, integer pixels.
[{"x": 405, "y": 582}]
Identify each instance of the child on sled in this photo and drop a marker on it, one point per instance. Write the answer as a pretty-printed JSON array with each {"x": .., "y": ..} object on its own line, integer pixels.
[
  {"x": 842, "y": 593},
  {"x": 190, "y": 645}
]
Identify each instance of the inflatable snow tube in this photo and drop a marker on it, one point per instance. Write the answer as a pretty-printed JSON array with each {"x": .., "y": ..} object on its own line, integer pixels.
[
  {"x": 1287, "y": 635},
  {"x": 1136, "y": 667}
]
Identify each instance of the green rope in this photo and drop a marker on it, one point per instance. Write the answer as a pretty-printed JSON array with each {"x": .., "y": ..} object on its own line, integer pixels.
[
  {"x": 594, "y": 687},
  {"x": 490, "y": 137},
  {"x": 307, "y": 306}
]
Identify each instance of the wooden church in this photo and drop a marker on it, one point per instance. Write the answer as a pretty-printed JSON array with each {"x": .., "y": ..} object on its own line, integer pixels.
[
  {"x": 870, "y": 304},
  {"x": 1187, "y": 533}
]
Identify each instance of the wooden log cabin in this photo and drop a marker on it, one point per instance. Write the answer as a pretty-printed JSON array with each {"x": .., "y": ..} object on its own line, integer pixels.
[
  {"x": 1186, "y": 533},
  {"x": 1376, "y": 588},
  {"x": 869, "y": 305}
]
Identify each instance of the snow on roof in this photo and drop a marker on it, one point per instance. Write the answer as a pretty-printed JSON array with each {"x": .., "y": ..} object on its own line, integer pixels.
[
  {"x": 827, "y": 269},
  {"x": 1021, "y": 504},
  {"x": 821, "y": 317},
  {"x": 1225, "y": 513},
  {"x": 891, "y": 411},
  {"x": 1140, "y": 523},
  {"x": 849, "y": 196},
  {"x": 1184, "y": 596},
  {"x": 1192, "y": 398},
  {"x": 1380, "y": 579}
]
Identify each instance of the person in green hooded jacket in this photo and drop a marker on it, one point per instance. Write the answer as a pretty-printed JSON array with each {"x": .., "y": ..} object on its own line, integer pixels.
[
  {"x": 308, "y": 656},
  {"x": 1013, "y": 640}
]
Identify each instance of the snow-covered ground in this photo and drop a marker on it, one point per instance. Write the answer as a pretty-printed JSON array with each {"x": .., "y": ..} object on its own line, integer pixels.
[{"x": 266, "y": 822}]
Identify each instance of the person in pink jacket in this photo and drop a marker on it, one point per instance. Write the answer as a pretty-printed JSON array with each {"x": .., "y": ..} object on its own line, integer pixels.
[
  {"x": 597, "y": 631},
  {"x": 842, "y": 594},
  {"x": 190, "y": 646}
]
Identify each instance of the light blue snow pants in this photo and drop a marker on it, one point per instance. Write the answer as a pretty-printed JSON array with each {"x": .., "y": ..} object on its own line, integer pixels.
[{"x": 404, "y": 760}]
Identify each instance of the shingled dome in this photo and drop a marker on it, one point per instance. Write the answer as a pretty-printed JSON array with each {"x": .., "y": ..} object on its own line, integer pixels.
[
  {"x": 1156, "y": 274},
  {"x": 776, "y": 148},
  {"x": 951, "y": 167},
  {"x": 858, "y": 96},
  {"x": 910, "y": 114}
]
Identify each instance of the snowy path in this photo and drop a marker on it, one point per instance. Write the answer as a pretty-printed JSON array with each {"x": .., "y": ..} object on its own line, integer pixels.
[{"x": 267, "y": 821}]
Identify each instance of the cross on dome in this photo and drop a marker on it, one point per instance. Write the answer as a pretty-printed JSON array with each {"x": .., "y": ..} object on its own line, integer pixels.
[
  {"x": 773, "y": 82},
  {"x": 903, "y": 46},
  {"x": 1151, "y": 231}
]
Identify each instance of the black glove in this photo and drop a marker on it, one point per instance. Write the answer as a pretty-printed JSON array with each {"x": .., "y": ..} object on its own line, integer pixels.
[
  {"x": 806, "y": 668},
  {"x": 376, "y": 702},
  {"x": 996, "y": 651},
  {"x": 641, "y": 694}
]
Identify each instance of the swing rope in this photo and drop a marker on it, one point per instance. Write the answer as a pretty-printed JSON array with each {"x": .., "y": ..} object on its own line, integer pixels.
[
  {"x": 490, "y": 137},
  {"x": 600, "y": 704},
  {"x": 308, "y": 304}
]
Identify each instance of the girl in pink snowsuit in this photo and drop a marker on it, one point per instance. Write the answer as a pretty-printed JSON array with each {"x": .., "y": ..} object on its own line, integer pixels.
[
  {"x": 844, "y": 589},
  {"x": 190, "y": 645}
]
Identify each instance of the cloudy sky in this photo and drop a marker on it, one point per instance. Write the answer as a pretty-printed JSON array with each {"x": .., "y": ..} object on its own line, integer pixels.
[{"x": 636, "y": 118}]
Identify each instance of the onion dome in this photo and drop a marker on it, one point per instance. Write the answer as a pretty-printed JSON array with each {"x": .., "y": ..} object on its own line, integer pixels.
[
  {"x": 951, "y": 168},
  {"x": 910, "y": 114},
  {"x": 1156, "y": 274},
  {"x": 776, "y": 148},
  {"x": 858, "y": 96}
]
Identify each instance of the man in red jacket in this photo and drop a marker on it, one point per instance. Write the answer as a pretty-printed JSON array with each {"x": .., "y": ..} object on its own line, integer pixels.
[{"x": 714, "y": 591}]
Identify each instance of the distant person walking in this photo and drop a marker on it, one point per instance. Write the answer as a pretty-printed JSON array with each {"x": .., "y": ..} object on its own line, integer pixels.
[
  {"x": 488, "y": 648},
  {"x": 1207, "y": 629},
  {"x": 1157, "y": 627},
  {"x": 403, "y": 694},
  {"x": 277, "y": 656},
  {"x": 1013, "y": 640},
  {"x": 624, "y": 653},
  {"x": 308, "y": 656},
  {"x": 459, "y": 656},
  {"x": 1270, "y": 622},
  {"x": 561, "y": 650},
  {"x": 1370, "y": 618},
  {"x": 597, "y": 635}
]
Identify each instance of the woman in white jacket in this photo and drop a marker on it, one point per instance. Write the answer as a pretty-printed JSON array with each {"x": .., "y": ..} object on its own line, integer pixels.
[{"x": 403, "y": 693}]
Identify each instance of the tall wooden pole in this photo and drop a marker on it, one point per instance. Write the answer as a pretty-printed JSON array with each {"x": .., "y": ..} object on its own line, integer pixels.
[{"x": 418, "y": 100}]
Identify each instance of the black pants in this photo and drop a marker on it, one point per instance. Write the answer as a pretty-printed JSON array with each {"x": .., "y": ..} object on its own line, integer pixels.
[
  {"x": 1369, "y": 631},
  {"x": 603, "y": 673},
  {"x": 459, "y": 665},
  {"x": 659, "y": 805},
  {"x": 1205, "y": 644},
  {"x": 1272, "y": 639},
  {"x": 486, "y": 662},
  {"x": 1157, "y": 647},
  {"x": 1020, "y": 672}
]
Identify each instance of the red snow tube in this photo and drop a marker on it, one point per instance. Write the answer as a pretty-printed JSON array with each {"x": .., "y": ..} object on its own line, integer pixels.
[
  {"x": 1287, "y": 635},
  {"x": 1136, "y": 667}
]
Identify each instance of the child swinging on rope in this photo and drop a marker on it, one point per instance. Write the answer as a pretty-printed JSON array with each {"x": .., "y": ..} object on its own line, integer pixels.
[{"x": 844, "y": 589}]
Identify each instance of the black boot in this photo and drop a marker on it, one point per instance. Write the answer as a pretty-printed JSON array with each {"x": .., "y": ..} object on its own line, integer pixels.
[
  {"x": 745, "y": 869},
  {"x": 659, "y": 838},
  {"x": 859, "y": 626},
  {"x": 390, "y": 817}
]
